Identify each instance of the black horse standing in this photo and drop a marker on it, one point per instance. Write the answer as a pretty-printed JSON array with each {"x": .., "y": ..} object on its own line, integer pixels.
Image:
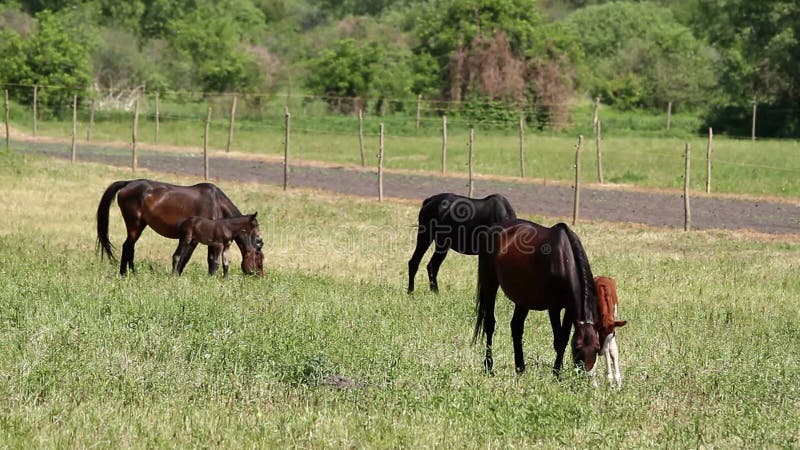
[{"x": 457, "y": 222}]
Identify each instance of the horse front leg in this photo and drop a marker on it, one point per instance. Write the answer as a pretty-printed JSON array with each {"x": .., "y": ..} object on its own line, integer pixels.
[
  {"x": 612, "y": 359},
  {"x": 560, "y": 337},
  {"x": 517, "y": 329}
]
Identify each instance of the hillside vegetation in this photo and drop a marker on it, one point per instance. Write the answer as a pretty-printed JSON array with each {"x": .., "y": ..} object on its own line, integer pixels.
[{"x": 477, "y": 58}]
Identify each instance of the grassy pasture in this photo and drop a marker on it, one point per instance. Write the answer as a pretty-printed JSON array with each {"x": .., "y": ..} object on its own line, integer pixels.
[
  {"x": 91, "y": 359},
  {"x": 634, "y": 152}
]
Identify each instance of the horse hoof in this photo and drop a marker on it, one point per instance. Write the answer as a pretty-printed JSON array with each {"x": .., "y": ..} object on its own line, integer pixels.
[
  {"x": 488, "y": 364},
  {"x": 520, "y": 369}
]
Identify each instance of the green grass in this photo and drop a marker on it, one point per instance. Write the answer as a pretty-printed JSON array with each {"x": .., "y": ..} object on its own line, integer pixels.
[
  {"x": 88, "y": 358},
  {"x": 634, "y": 150}
]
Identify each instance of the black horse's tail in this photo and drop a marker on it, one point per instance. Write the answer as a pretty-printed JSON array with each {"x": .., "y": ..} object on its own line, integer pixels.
[
  {"x": 483, "y": 302},
  {"x": 103, "y": 241},
  {"x": 588, "y": 289}
]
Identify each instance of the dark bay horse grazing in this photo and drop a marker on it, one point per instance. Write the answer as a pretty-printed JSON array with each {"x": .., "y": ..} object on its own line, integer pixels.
[
  {"x": 457, "y": 222},
  {"x": 162, "y": 206},
  {"x": 607, "y": 303},
  {"x": 542, "y": 269},
  {"x": 219, "y": 233}
]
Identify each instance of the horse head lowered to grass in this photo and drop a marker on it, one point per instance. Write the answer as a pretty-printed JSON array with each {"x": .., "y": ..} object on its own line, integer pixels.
[{"x": 163, "y": 207}]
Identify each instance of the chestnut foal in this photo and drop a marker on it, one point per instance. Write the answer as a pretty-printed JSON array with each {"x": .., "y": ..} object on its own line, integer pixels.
[{"x": 607, "y": 304}]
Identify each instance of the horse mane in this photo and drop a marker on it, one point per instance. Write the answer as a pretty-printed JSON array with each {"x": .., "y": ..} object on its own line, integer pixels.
[
  {"x": 588, "y": 289},
  {"x": 229, "y": 208},
  {"x": 510, "y": 213}
]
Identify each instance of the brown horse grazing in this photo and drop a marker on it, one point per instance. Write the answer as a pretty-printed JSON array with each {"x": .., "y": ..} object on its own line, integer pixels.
[
  {"x": 218, "y": 233},
  {"x": 540, "y": 268},
  {"x": 162, "y": 206},
  {"x": 607, "y": 295}
]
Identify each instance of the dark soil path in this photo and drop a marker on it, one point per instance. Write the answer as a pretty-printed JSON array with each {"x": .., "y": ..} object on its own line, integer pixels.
[{"x": 651, "y": 208}]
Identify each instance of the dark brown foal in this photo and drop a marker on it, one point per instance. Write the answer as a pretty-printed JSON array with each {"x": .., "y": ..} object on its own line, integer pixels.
[{"x": 218, "y": 233}]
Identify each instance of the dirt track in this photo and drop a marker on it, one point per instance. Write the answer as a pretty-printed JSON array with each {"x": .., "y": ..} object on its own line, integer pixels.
[{"x": 651, "y": 208}]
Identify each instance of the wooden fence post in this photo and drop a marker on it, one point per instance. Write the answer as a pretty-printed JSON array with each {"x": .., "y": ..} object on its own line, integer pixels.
[
  {"x": 205, "y": 145},
  {"x": 380, "y": 165},
  {"x": 91, "y": 122},
  {"x": 134, "y": 159},
  {"x": 361, "y": 136},
  {"x": 753, "y": 124},
  {"x": 471, "y": 184},
  {"x": 577, "y": 198},
  {"x": 444, "y": 144},
  {"x": 597, "y": 139},
  {"x": 158, "y": 118},
  {"x": 74, "y": 126},
  {"x": 522, "y": 146},
  {"x": 35, "y": 110},
  {"x": 419, "y": 108},
  {"x": 231, "y": 124},
  {"x": 596, "y": 115},
  {"x": 5, "y": 115},
  {"x": 708, "y": 159},
  {"x": 287, "y": 134},
  {"x": 669, "y": 115},
  {"x": 687, "y": 212}
]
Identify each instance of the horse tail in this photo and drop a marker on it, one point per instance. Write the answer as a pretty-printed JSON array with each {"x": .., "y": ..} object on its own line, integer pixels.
[
  {"x": 588, "y": 289},
  {"x": 482, "y": 302},
  {"x": 103, "y": 242}
]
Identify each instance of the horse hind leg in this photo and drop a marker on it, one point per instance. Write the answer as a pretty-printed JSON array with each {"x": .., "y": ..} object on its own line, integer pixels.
[
  {"x": 433, "y": 265},
  {"x": 226, "y": 261},
  {"x": 128, "y": 249},
  {"x": 213, "y": 259},
  {"x": 423, "y": 242},
  {"x": 181, "y": 256},
  {"x": 487, "y": 295},
  {"x": 186, "y": 255},
  {"x": 517, "y": 329}
]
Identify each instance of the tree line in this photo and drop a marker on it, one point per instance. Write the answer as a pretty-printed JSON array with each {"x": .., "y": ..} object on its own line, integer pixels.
[{"x": 485, "y": 57}]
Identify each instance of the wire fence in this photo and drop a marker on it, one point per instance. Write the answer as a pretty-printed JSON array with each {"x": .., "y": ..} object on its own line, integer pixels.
[{"x": 416, "y": 136}]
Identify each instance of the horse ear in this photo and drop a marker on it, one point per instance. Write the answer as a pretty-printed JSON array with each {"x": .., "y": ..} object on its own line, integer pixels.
[
  {"x": 620, "y": 323},
  {"x": 255, "y": 214}
]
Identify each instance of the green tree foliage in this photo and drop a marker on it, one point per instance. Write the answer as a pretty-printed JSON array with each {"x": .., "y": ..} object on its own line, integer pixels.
[
  {"x": 349, "y": 69},
  {"x": 638, "y": 55},
  {"x": 759, "y": 46},
  {"x": 210, "y": 38},
  {"x": 343, "y": 8},
  {"x": 55, "y": 55}
]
